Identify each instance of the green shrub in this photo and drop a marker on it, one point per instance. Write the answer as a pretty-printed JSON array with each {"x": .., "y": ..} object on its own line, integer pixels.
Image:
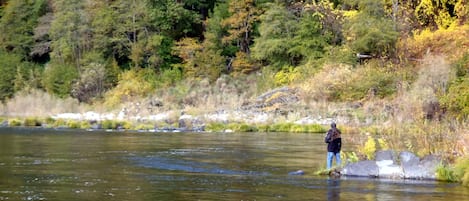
[
  {"x": 263, "y": 128},
  {"x": 73, "y": 124},
  {"x": 247, "y": 128},
  {"x": 126, "y": 125},
  {"x": 14, "y": 122},
  {"x": 109, "y": 124},
  {"x": 446, "y": 173},
  {"x": 144, "y": 127},
  {"x": 281, "y": 127},
  {"x": 215, "y": 127},
  {"x": 49, "y": 120},
  {"x": 32, "y": 121},
  {"x": 58, "y": 79},
  {"x": 315, "y": 128},
  {"x": 461, "y": 170},
  {"x": 457, "y": 99},
  {"x": 462, "y": 65},
  {"x": 59, "y": 123},
  {"x": 85, "y": 125},
  {"x": 233, "y": 126},
  {"x": 458, "y": 173}
]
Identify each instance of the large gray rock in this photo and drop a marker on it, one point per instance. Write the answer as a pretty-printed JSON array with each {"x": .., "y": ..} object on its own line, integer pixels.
[
  {"x": 408, "y": 159},
  {"x": 387, "y": 165},
  {"x": 384, "y": 155},
  {"x": 409, "y": 163},
  {"x": 361, "y": 169},
  {"x": 414, "y": 168},
  {"x": 388, "y": 169}
]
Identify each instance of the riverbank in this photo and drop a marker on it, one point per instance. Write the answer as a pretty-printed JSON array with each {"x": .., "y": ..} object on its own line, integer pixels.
[{"x": 164, "y": 123}]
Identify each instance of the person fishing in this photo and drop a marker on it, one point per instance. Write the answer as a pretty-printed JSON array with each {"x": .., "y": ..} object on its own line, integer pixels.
[{"x": 334, "y": 144}]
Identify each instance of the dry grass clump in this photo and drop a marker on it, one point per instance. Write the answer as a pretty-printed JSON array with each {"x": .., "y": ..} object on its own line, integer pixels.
[
  {"x": 420, "y": 99},
  {"x": 201, "y": 96},
  {"x": 318, "y": 88},
  {"x": 37, "y": 103},
  {"x": 345, "y": 83},
  {"x": 424, "y": 137},
  {"x": 462, "y": 144}
]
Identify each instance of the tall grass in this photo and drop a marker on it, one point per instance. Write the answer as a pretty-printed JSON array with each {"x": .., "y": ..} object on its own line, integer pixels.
[{"x": 37, "y": 103}]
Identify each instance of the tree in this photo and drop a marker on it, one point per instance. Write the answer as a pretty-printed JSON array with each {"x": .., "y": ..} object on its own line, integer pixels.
[
  {"x": 212, "y": 58},
  {"x": 17, "y": 24},
  {"x": 277, "y": 29},
  {"x": 58, "y": 79},
  {"x": 188, "y": 49},
  {"x": 69, "y": 32},
  {"x": 170, "y": 18},
  {"x": 462, "y": 11},
  {"x": 240, "y": 24},
  {"x": 436, "y": 13},
  {"x": 8, "y": 67},
  {"x": 311, "y": 39},
  {"x": 370, "y": 31}
]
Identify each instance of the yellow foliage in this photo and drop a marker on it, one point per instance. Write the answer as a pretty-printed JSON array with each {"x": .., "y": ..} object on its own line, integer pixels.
[
  {"x": 451, "y": 42},
  {"x": 187, "y": 49},
  {"x": 383, "y": 144},
  {"x": 242, "y": 64},
  {"x": 286, "y": 76},
  {"x": 132, "y": 84},
  {"x": 370, "y": 148}
]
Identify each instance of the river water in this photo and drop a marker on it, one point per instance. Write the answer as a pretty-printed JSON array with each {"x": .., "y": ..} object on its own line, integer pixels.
[{"x": 37, "y": 164}]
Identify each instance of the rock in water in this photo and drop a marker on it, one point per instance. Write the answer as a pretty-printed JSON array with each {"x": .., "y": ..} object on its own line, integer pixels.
[{"x": 298, "y": 172}]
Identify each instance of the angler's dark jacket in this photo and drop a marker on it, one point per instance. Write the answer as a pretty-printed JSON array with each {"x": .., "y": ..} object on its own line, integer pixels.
[{"x": 334, "y": 141}]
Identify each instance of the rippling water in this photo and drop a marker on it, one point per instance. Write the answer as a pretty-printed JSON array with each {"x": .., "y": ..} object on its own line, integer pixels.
[{"x": 79, "y": 165}]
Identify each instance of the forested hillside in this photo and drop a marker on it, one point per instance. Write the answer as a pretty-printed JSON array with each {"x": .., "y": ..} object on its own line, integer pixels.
[
  {"x": 113, "y": 52},
  {"x": 81, "y": 48}
]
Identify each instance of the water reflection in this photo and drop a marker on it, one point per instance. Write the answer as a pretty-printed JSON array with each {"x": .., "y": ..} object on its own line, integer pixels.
[{"x": 333, "y": 189}]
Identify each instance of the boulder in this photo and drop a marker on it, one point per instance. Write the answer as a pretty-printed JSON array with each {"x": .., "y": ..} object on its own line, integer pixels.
[
  {"x": 410, "y": 164},
  {"x": 388, "y": 169},
  {"x": 387, "y": 166},
  {"x": 384, "y": 155},
  {"x": 423, "y": 169},
  {"x": 361, "y": 169}
]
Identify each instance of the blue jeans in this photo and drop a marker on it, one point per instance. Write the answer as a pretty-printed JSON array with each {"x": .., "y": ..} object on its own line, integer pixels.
[{"x": 330, "y": 156}]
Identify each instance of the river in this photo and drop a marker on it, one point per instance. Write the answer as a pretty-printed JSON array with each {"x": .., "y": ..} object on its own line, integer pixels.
[{"x": 47, "y": 164}]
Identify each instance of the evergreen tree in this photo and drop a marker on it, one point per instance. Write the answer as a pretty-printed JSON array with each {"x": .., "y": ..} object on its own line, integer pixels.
[
  {"x": 170, "y": 18},
  {"x": 8, "y": 69},
  {"x": 371, "y": 31},
  {"x": 17, "y": 24},
  {"x": 277, "y": 29}
]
